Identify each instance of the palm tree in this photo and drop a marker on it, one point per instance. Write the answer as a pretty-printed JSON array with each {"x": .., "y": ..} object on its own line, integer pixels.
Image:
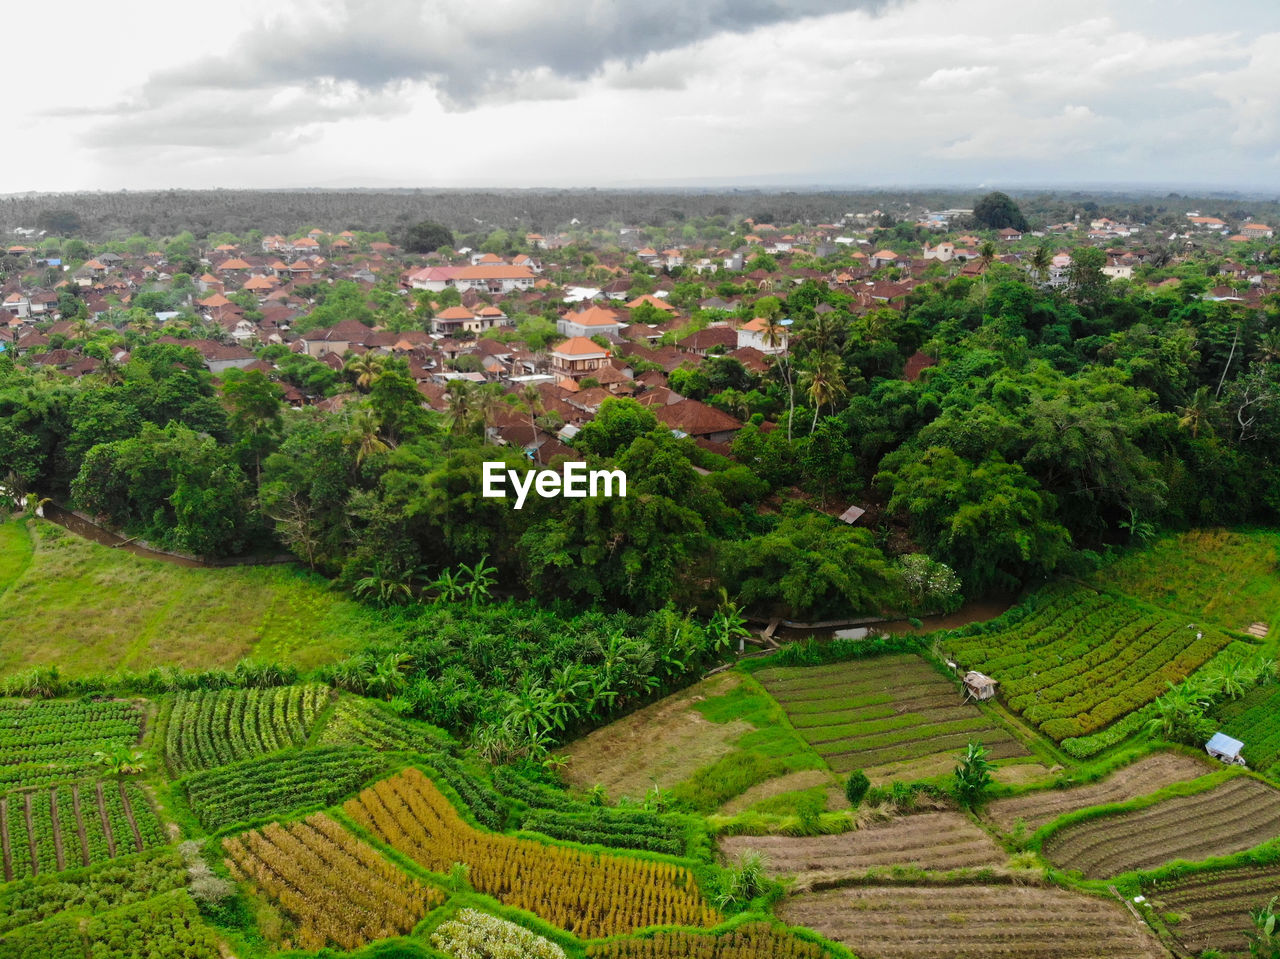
[
  {"x": 774, "y": 335},
  {"x": 1268, "y": 350},
  {"x": 986, "y": 253},
  {"x": 477, "y": 579},
  {"x": 364, "y": 435},
  {"x": 121, "y": 760},
  {"x": 1196, "y": 413},
  {"x": 460, "y": 409},
  {"x": 364, "y": 370},
  {"x": 1041, "y": 259},
  {"x": 532, "y": 402},
  {"x": 826, "y": 384}
]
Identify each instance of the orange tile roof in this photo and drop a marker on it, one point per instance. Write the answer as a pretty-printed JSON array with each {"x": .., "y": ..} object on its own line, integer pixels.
[{"x": 580, "y": 346}]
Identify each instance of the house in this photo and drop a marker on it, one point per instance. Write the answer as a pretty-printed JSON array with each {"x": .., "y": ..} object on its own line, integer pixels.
[
  {"x": 335, "y": 339},
  {"x": 978, "y": 686},
  {"x": 18, "y": 304},
  {"x": 1008, "y": 234},
  {"x": 1257, "y": 231},
  {"x": 756, "y": 336},
  {"x": 882, "y": 258},
  {"x": 1225, "y": 749},
  {"x": 944, "y": 252},
  {"x": 455, "y": 319},
  {"x": 578, "y": 357},
  {"x": 698, "y": 420},
  {"x": 721, "y": 339},
  {"x": 494, "y": 278},
  {"x": 590, "y": 322}
]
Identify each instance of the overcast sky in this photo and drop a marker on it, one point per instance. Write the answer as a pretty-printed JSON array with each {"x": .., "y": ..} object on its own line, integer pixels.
[{"x": 333, "y": 93}]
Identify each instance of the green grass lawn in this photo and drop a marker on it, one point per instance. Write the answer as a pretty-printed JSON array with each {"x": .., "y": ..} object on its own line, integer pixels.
[
  {"x": 1230, "y": 577},
  {"x": 89, "y": 609}
]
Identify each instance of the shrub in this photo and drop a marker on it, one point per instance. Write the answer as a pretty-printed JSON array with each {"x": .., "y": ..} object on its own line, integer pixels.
[
  {"x": 856, "y": 786},
  {"x": 478, "y": 935}
]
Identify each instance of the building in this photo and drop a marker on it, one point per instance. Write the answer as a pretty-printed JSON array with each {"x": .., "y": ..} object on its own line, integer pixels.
[
  {"x": 1225, "y": 749},
  {"x": 594, "y": 320},
  {"x": 578, "y": 357},
  {"x": 754, "y": 335}
]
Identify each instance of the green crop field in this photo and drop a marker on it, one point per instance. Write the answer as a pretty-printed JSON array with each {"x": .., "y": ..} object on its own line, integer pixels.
[
  {"x": 892, "y": 714},
  {"x": 1231, "y": 578},
  {"x": 1254, "y": 719},
  {"x": 91, "y": 609},
  {"x": 1082, "y": 659}
]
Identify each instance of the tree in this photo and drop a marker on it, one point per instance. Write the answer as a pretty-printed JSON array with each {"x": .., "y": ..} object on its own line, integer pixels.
[
  {"x": 1040, "y": 260},
  {"x": 855, "y": 787},
  {"x": 825, "y": 384},
  {"x": 617, "y": 424},
  {"x": 427, "y": 237},
  {"x": 121, "y": 760},
  {"x": 973, "y": 776},
  {"x": 1087, "y": 281},
  {"x": 996, "y": 211}
]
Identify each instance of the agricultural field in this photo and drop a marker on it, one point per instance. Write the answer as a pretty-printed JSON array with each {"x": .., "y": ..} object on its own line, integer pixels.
[
  {"x": 893, "y": 716},
  {"x": 751, "y": 940},
  {"x": 1254, "y": 719},
  {"x": 590, "y": 895},
  {"x": 48, "y": 830},
  {"x": 362, "y": 722},
  {"x": 1229, "y": 577},
  {"x": 47, "y": 742},
  {"x": 337, "y": 889},
  {"x": 208, "y": 728},
  {"x": 1083, "y": 659},
  {"x": 1230, "y": 817},
  {"x": 973, "y": 922},
  {"x": 1139, "y": 778},
  {"x": 1212, "y": 908},
  {"x": 277, "y": 785},
  {"x": 159, "y": 613},
  {"x": 936, "y": 841}
]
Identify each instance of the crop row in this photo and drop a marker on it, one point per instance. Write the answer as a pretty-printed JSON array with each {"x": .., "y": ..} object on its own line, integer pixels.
[
  {"x": 275, "y": 785},
  {"x": 94, "y": 889},
  {"x": 1215, "y": 906},
  {"x": 362, "y": 722},
  {"x": 165, "y": 927},
  {"x": 1255, "y": 719},
  {"x": 51, "y": 741},
  {"x": 588, "y": 894},
  {"x": 337, "y": 889},
  {"x": 1225, "y": 819},
  {"x": 1081, "y": 663},
  {"x": 209, "y": 728},
  {"x": 74, "y": 825},
  {"x": 752, "y": 940}
]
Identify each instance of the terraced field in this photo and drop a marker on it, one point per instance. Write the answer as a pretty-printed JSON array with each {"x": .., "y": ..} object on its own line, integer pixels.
[
  {"x": 1230, "y": 817},
  {"x": 1215, "y": 906},
  {"x": 1254, "y": 719},
  {"x": 47, "y": 742},
  {"x": 893, "y": 716},
  {"x": 79, "y": 824},
  {"x": 936, "y": 841},
  {"x": 1085, "y": 659},
  {"x": 973, "y": 922},
  {"x": 1137, "y": 779},
  {"x": 208, "y": 728}
]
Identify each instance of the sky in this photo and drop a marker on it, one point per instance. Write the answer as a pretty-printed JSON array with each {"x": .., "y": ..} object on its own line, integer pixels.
[{"x": 619, "y": 93}]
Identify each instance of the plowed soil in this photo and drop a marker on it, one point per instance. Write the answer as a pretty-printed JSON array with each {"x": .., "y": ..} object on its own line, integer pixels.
[
  {"x": 973, "y": 922},
  {"x": 1215, "y": 906},
  {"x": 1137, "y": 779},
  {"x": 936, "y": 841}
]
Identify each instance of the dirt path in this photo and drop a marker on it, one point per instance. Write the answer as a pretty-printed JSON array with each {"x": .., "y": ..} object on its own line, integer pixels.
[
  {"x": 31, "y": 835},
  {"x": 106, "y": 823},
  {"x": 84, "y": 839},
  {"x": 4, "y": 840},
  {"x": 1137, "y": 779},
  {"x": 57, "y": 831},
  {"x": 128, "y": 814}
]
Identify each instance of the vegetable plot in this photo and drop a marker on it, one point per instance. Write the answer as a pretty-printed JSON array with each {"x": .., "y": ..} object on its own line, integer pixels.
[
  {"x": 209, "y": 728},
  {"x": 52, "y": 741}
]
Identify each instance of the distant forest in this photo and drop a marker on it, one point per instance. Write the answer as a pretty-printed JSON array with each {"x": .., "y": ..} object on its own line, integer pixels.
[{"x": 105, "y": 216}]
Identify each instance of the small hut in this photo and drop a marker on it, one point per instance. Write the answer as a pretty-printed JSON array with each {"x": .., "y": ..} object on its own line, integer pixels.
[
  {"x": 978, "y": 686},
  {"x": 1225, "y": 749}
]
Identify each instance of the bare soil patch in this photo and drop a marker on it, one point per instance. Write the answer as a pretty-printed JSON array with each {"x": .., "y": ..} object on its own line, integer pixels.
[
  {"x": 663, "y": 743},
  {"x": 937, "y": 841},
  {"x": 973, "y": 922},
  {"x": 1232, "y": 817},
  {"x": 1137, "y": 779}
]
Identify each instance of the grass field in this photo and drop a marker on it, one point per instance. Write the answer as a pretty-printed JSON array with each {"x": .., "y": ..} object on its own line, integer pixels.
[
  {"x": 1231, "y": 578},
  {"x": 893, "y": 716},
  {"x": 1213, "y": 907},
  {"x": 933, "y": 840},
  {"x": 973, "y": 922},
  {"x": 1231, "y": 817},
  {"x": 89, "y": 609},
  {"x": 1140, "y": 778},
  {"x": 709, "y": 744}
]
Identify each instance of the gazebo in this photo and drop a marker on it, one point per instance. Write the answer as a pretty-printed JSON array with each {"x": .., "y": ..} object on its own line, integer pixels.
[
  {"x": 1225, "y": 749},
  {"x": 978, "y": 686}
]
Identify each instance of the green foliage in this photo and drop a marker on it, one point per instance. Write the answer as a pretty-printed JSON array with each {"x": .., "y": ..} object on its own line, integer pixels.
[
  {"x": 973, "y": 776},
  {"x": 855, "y": 787},
  {"x": 997, "y": 210},
  {"x": 427, "y": 236}
]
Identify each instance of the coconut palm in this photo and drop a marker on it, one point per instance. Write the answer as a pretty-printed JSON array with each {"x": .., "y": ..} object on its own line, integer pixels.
[
  {"x": 825, "y": 384},
  {"x": 1197, "y": 412},
  {"x": 364, "y": 370},
  {"x": 1041, "y": 259},
  {"x": 774, "y": 335}
]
